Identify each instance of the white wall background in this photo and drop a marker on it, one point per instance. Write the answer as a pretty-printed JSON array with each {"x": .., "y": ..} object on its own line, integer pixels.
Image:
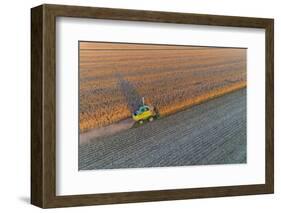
[{"x": 15, "y": 105}]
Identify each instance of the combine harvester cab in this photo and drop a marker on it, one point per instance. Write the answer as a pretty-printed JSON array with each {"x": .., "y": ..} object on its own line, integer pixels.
[{"x": 145, "y": 113}]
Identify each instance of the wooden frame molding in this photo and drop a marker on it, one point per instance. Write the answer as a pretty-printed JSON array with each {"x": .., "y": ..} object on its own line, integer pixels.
[{"x": 43, "y": 105}]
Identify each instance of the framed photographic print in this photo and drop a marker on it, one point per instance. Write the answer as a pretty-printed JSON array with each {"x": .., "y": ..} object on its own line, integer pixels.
[{"x": 136, "y": 106}]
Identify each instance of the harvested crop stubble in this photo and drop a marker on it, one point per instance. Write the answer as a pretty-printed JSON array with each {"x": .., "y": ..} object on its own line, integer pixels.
[{"x": 114, "y": 77}]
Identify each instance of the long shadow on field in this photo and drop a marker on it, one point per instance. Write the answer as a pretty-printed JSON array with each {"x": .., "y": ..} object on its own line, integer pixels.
[{"x": 132, "y": 96}]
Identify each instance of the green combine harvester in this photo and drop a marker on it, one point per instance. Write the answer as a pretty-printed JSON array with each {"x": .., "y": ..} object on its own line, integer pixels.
[{"x": 145, "y": 113}]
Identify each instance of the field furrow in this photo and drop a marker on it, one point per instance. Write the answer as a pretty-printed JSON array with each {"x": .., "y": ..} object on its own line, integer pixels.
[{"x": 213, "y": 132}]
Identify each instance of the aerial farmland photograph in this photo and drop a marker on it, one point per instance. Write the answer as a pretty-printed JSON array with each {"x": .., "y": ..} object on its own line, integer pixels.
[{"x": 159, "y": 105}]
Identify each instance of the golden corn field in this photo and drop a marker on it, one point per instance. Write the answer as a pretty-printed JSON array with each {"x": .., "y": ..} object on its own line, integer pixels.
[{"x": 114, "y": 77}]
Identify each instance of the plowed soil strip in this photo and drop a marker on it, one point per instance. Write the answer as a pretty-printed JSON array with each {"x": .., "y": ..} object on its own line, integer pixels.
[{"x": 213, "y": 132}]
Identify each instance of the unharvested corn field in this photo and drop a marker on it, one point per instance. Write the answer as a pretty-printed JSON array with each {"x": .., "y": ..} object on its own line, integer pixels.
[{"x": 114, "y": 77}]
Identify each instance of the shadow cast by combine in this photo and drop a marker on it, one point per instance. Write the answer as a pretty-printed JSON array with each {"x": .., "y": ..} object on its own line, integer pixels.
[{"x": 132, "y": 96}]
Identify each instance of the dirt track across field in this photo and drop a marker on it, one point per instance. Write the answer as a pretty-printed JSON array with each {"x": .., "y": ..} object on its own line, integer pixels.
[{"x": 210, "y": 133}]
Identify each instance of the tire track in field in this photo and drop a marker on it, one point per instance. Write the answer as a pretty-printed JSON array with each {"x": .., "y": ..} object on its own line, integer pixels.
[{"x": 211, "y": 133}]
